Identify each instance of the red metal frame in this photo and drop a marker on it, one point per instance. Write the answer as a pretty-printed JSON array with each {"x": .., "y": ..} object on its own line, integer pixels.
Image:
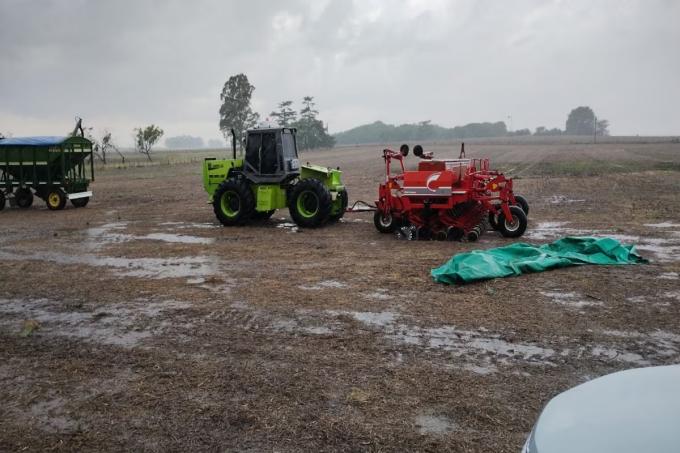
[{"x": 444, "y": 196}]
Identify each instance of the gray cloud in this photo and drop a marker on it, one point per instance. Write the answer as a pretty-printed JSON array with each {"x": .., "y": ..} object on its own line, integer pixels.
[{"x": 127, "y": 63}]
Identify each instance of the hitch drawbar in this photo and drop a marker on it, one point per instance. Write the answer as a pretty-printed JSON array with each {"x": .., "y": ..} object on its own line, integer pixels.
[{"x": 361, "y": 206}]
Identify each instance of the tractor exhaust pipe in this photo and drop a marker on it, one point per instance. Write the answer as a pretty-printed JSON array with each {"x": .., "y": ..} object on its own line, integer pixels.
[{"x": 233, "y": 142}]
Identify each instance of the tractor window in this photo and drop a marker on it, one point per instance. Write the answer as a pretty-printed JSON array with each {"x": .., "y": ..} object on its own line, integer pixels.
[
  {"x": 288, "y": 141},
  {"x": 269, "y": 159},
  {"x": 253, "y": 151}
]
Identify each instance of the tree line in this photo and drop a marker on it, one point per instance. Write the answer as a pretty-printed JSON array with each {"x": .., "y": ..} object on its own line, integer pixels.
[{"x": 580, "y": 121}]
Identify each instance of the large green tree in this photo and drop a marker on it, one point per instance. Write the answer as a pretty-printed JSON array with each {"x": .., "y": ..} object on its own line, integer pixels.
[
  {"x": 285, "y": 115},
  {"x": 581, "y": 121},
  {"x": 146, "y": 138},
  {"x": 235, "y": 111}
]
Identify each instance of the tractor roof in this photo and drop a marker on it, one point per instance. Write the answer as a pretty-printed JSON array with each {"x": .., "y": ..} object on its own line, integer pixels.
[
  {"x": 50, "y": 140},
  {"x": 272, "y": 129}
]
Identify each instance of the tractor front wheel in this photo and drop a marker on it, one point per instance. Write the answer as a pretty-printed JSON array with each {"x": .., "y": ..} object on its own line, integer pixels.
[
  {"x": 310, "y": 203},
  {"x": 233, "y": 202},
  {"x": 80, "y": 202},
  {"x": 23, "y": 197},
  {"x": 384, "y": 223},
  {"x": 340, "y": 204},
  {"x": 56, "y": 199},
  {"x": 515, "y": 227}
]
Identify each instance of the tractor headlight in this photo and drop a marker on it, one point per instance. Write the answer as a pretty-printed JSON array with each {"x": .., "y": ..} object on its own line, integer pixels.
[{"x": 294, "y": 164}]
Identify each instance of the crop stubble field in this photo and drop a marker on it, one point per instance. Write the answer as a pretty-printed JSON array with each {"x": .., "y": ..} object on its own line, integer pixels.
[{"x": 160, "y": 330}]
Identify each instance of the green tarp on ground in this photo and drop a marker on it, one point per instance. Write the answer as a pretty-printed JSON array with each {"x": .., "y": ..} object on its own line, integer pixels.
[{"x": 520, "y": 258}]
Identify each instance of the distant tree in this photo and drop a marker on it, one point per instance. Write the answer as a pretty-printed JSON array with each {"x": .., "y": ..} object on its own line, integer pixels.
[
  {"x": 603, "y": 128},
  {"x": 285, "y": 115},
  {"x": 520, "y": 132},
  {"x": 146, "y": 138},
  {"x": 215, "y": 143},
  {"x": 308, "y": 111},
  {"x": 311, "y": 132},
  {"x": 541, "y": 130},
  {"x": 581, "y": 121},
  {"x": 104, "y": 146},
  {"x": 184, "y": 142},
  {"x": 235, "y": 111}
]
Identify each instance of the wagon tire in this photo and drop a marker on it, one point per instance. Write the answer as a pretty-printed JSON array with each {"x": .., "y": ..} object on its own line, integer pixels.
[
  {"x": 493, "y": 221},
  {"x": 2, "y": 200},
  {"x": 515, "y": 227},
  {"x": 23, "y": 198},
  {"x": 233, "y": 202},
  {"x": 384, "y": 223},
  {"x": 56, "y": 199},
  {"x": 522, "y": 203},
  {"x": 310, "y": 203},
  {"x": 80, "y": 202}
]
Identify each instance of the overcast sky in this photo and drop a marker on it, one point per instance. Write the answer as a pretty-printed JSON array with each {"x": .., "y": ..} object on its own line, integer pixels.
[{"x": 122, "y": 64}]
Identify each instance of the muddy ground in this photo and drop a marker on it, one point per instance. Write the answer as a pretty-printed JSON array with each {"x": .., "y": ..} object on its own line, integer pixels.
[{"x": 137, "y": 323}]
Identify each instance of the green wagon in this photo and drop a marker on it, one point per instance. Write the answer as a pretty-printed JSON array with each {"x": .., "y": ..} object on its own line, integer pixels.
[{"x": 56, "y": 169}]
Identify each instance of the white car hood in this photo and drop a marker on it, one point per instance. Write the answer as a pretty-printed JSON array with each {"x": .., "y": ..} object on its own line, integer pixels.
[{"x": 630, "y": 411}]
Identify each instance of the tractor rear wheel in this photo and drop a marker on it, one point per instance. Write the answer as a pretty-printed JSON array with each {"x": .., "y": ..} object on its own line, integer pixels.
[
  {"x": 23, "y": 197},
  {"x": 233, "y": 202},
  {"x": 80, "y": 202},
  {"x": 515, "y": 227},
  {"x": 310, "y": 203},
  {"x": 385, "y": 223},
  {"x": 341, "y": 201},
  {"x": 2, "y": 200},
  {"x": 523, "y": 203},
  {"x": 56, "y": 199}
]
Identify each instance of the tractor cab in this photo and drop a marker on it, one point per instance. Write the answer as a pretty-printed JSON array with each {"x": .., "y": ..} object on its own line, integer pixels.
[{"x": 271, "y": 155}]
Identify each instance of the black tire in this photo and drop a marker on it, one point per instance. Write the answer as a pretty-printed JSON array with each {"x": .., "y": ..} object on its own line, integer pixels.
[
  {"x": 55, "y": 199},
  {"x": 523, "y": 203},
  {"x": 493, "y": 221},
  {"x": 515, "y": 227},
  {"x": 263, "y": 215},
  {"x": 2, "y": 200},
  {"x": 310, "y": 203},
  {"x": 233, "y": 202},
  {"x": 384, "y": 224},
  {"x": 342, "y": 195},
  {"x": 23, "y": 198},
  {"x": 80, "y": 202}
]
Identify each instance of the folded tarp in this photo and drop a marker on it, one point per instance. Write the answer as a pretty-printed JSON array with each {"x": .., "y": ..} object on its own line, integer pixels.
[{"x": 520, "y": 258}]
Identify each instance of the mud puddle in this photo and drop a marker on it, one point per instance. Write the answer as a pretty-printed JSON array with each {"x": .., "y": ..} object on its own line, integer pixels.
[{"x": 118, "y": 325}]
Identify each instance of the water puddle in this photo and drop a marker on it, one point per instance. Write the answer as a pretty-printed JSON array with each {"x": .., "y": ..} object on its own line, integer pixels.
[
  {"x": 111, "y": 233},
  {"x": 434, "y": 424},
  {"x": 324, "y": 284},
  {"x": 115, "y": 324},
  {"x": 290, "y": 227},
  {"x": 177, "y": 238},
  {"x": 663, "y": 225},
  {"x": 570, "y": 299},
  {"x": 668, "y": 276},
  {"x": 560, "y": 199},
  {"x": 379, "y": 294}
]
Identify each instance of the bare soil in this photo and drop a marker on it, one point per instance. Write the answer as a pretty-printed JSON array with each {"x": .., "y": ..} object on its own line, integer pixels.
[{"x": 138, "y": 323}]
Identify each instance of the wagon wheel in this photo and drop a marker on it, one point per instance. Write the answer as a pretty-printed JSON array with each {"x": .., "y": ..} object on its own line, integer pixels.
[
  {"x": 2, "y": 200},
  {"x": 80, "y": 202},
  {"x": 385, "y": 223},
  {"x": 522, "y": 203},
  {"x": 56, "y": 199},
  {"x": 514, "y": 227},
  {"x": 23, "y": 197}
]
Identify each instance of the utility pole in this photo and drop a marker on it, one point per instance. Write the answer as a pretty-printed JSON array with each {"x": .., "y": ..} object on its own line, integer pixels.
[
  {"x": 509, "y": 123},
  {"x": 594, "y": 129}
]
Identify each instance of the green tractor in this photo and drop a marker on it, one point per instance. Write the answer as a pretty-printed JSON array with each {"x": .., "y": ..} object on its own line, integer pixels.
[{"x": 269, "y": 177}]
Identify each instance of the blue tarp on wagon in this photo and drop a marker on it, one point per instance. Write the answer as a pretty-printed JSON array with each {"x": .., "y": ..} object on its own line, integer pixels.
[
  {"x": 520, "y": 258},
  {"x": 49, "y": 140}
]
